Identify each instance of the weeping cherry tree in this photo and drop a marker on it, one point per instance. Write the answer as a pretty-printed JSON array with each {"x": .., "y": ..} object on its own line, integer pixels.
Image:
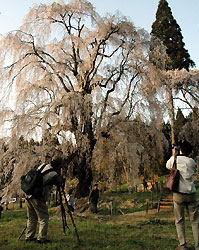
[{"x": 71, "y": 72}]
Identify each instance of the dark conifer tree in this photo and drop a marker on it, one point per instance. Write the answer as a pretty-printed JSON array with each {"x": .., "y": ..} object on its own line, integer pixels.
[
  {"x": 166, "y": 29},
  {"x": 179, "y": 122}
]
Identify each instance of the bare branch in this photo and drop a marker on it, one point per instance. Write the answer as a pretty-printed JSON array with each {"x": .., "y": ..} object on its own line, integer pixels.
[{"x": 128, "y": 94}]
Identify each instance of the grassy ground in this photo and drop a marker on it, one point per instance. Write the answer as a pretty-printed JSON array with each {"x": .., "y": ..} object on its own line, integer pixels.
[{"x": 124, "y": 230}]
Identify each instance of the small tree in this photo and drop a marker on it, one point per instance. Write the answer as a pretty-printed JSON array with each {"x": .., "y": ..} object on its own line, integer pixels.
[
  {"x": 190, "y": 132},
  {"x": 194, "y": 115},
  {"x": 180, "y": 121},
  {"x": 133, "y": 148}
]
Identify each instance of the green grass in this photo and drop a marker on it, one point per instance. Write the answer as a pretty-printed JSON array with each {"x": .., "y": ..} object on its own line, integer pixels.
[
  {"x": 99, "y": 232},
  {"x": 155, "y": 232},
  {"x": 13, "y": 215},
  {"x": 124, "y": 202}
]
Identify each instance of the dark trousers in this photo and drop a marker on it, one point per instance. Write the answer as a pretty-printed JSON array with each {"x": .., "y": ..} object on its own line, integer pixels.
[
  {"x": 71, "y": 208},
  {"x": 94, "y": 207}
]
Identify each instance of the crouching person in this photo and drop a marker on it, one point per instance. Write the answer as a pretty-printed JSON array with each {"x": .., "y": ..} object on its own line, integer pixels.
[{"x": 37, "y": 209}]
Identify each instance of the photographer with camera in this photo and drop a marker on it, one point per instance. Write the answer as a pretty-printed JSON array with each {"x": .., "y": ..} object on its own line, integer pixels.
[
  {"x": 37, "y": 209},
  {"x": 186, "y": 195}
]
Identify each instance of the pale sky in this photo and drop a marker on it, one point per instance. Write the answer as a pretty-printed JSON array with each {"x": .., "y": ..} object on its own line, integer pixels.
[{"x": 141, "y": 13}]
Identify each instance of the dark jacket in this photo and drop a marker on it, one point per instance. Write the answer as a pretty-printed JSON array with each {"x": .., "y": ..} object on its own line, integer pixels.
[{"x": 94, "y": 195}]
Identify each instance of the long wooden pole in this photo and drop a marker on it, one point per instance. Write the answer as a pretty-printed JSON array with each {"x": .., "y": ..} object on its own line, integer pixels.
[{"x": 171, "y": 114}]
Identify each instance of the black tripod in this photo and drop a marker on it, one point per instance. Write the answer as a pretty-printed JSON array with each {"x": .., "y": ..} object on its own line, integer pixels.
[{"x": 61, "y": 191}]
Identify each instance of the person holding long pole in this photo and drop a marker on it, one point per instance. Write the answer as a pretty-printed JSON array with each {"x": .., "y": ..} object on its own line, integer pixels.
[{"x": 185, "y": 196}]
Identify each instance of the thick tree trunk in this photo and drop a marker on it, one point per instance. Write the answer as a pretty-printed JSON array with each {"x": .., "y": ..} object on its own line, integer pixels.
[
  {"x": 85, "y": 178},
  {"x": 84, "y": 172}
]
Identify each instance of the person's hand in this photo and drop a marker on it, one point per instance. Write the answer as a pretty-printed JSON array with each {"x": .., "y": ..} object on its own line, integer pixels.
[{"x": 174, "y": 152}]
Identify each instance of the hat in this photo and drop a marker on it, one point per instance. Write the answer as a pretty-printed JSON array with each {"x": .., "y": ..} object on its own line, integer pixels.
[{"x": 56, "y": 162}]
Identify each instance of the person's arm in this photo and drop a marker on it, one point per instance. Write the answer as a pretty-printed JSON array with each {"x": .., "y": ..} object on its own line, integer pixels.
[
  {"x": 56, "y": 180},
  {"x": 89, "y": 197},
  {"x": 169, "y": 163},
  {"x": 98, "y": 195}
]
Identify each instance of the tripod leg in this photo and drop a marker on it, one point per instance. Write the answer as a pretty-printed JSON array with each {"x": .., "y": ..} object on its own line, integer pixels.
[
  {"x": 71, "y": 216},
  {"x": 22, "y": 232},
  {"x": 56, "y": 202},
  {"x": 62, "y": 212}
]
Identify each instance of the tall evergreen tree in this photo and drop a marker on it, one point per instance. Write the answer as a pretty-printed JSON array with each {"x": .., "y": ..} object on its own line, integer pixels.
[{"x": 168, "y": 31}]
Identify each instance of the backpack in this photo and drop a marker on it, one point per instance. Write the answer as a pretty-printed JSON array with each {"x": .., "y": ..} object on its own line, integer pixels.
[{"x": 32, "y": 182}]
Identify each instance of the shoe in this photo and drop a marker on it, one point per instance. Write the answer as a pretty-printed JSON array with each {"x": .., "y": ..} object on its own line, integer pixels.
[
  {"x": 181, "y": 248},
  {"x": 31, "y": 240},
  {"x": 43, "y": 241}
]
